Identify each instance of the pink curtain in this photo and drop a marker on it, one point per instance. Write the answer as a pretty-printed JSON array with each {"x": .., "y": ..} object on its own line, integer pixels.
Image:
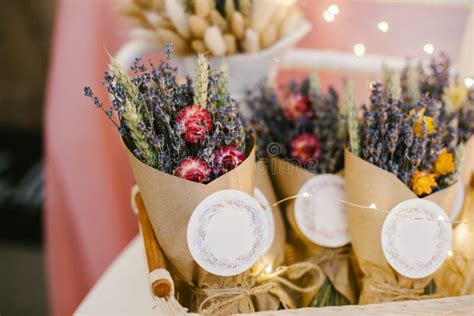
[{"x": 87, "y": 215}]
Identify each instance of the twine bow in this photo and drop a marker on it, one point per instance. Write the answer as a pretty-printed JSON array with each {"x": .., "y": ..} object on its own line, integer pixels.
[
  {"x": 396, "y": 293},
  {"x": 220, "y": 300},
  {"x": 322, "y": 255}
]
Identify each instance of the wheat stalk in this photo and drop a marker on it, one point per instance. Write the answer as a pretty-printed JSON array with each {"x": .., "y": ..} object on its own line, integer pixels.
[
  {"x": 132, "y": 115},
  {"x": 314, "y": 85},
  {"x": 352, "y": 120},
  {"x": 223, "y": 83},
  {"x": 133, "y": 120},
  {"x": 201, "y": 81},
  {"x": 391, "y": 82},
  {"x": 413, "y": 84}
]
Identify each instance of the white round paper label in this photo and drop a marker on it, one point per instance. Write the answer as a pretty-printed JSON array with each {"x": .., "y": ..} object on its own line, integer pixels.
[
  {"x": 262, "y": 199},
  {"x": 319, "y": 213},
  {"x": 416, "y": 238},
  {"x": 227, "y": 232}
]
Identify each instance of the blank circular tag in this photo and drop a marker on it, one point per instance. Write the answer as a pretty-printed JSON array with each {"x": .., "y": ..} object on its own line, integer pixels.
[
  {"x": 262, "y": 199},
  {"x": 319, "y": 212},
  {"x": 227, "y": 232},
  {"x": 416, "y": 238}
]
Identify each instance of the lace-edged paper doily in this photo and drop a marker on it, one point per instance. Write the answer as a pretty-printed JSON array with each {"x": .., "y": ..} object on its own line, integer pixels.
[
  {"x": 227, "y": 232},
  {"x": 322, "y": 218},
  {"x": 415, "y": 247}
]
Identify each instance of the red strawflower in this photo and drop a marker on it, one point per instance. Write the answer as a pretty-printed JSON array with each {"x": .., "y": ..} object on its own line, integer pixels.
[
  {"x": 227, "y": 158},
  {"x": 296, "y": 106},
  {"x": 305, "y": 147},
  {"x": 195, "y": 122},
  {"x": 193, "y": 169}
]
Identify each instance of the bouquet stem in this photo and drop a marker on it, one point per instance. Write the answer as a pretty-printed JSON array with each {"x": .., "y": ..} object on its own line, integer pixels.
[{"x": 328, "y": 296}]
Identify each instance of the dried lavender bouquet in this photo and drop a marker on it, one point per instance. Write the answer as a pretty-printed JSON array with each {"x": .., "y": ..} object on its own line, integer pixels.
[
  {"x": 180, "y": 138},
  {"x": 193, "y": 131},
  {"x": 304, "y": 129},
  {"x": 414, "y": 141},
  {"x": 447, "y": 92}
]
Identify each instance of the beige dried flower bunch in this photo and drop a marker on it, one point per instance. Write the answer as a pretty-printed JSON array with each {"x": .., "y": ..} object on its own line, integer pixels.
[{"x": 218, "y": 27}]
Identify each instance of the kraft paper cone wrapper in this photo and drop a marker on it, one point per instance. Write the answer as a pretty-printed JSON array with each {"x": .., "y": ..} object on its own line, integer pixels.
[
  {"x": 367, "y": 184},
  {"x": 275, "y": 254},
  {"x": 468, "y": 162},
  {"x": 288, "y": 179},
  {"x": 171, "y": 200},
  {"x": 456, "y": 276}
]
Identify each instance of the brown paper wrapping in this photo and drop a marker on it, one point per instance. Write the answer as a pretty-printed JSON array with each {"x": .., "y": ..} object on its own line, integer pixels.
[
  {"x": 335, "y": 263},
  {"x": 456, "y": 276},
  {"x": 275, "y": 254},
  {"x": 367, "y": 184},
  {"x": 170, "y": 202},
  {"x": 468, "y": 162}
]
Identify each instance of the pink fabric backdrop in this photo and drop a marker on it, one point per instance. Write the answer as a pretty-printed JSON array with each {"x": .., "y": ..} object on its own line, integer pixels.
[{"x": 87, "y": 215}]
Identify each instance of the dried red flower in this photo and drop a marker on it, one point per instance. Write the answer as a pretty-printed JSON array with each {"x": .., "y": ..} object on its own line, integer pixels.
[
  {"x": 296, "y": 106},
  {"x": 305, "y": 147},
  {"x": 194, "y": 122},
  {"x": 227, "y": 158},
  {"x": 193, "y": 169}
]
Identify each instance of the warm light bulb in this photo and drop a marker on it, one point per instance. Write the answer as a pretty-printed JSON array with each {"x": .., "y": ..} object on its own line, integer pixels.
[
  {"x": 450, "y": 253},
  {"x": 328, "y": 16},
  {"x": 359, "y": 49},
  {"x": 383, "y": 26},
  {"x": 333, "y": 9},
  {"x": 305, "y": 194},
  {"x": 372, "y": 205},
  {"x": 268, "y": 269},
  {"x": 468, "y": 82},
  {"x": 428, "y": 48}
]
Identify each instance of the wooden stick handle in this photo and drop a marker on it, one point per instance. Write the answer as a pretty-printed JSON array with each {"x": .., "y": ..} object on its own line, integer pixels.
[{"x": 154, "y": 255}]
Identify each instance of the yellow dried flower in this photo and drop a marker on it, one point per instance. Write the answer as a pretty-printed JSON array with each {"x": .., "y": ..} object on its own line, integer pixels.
[
  {"x": 418, "y": 124},
  {"x": 422, "y": 182},
  {"x": 444, "y": 163},
  {"x": 454, "y": 96}
]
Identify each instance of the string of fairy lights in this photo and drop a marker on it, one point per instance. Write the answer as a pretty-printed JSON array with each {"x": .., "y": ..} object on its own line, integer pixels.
[
  {"x": 359, "y": 49},
  {"x": 372, "y": 206}
]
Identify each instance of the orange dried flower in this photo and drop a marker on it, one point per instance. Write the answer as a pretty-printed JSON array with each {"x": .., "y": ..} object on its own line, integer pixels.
[
  {"x": 444, "y": 163},
  {"x": 418, "y": 124},
  {"x": 422, "y": 182}
]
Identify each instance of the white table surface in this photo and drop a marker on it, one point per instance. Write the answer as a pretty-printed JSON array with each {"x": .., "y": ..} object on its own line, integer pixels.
[{"x": 123, "y": 290}]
